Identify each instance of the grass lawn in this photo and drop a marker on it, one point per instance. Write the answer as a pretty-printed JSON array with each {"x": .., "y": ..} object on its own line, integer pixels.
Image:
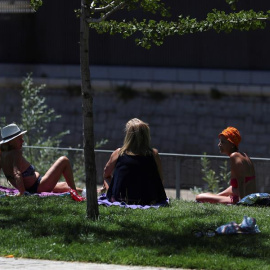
[{"x": 56, "y": 228}]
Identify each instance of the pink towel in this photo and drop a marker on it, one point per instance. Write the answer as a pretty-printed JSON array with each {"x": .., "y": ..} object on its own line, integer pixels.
[{"x": 13, "y": 191}]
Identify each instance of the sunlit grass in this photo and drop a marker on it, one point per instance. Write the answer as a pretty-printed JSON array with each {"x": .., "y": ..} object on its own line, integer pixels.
[{"x": 56, "y": 228}]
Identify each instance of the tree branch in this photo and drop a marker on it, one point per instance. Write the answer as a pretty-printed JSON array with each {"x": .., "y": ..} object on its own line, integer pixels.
[
  {"x": 100, "y": 9},
  {"x": 106, "y": 15},
  {"x": 265, "y": 19}
]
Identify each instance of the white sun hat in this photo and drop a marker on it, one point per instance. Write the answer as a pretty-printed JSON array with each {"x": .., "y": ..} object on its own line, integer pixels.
[{"x": 10, "y": 132}]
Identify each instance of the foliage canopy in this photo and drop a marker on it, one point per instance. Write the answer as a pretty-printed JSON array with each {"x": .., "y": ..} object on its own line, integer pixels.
[{"x": 154, "y": 31}]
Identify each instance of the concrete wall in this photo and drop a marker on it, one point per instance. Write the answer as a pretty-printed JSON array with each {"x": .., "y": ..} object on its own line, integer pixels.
[
  {"x": 185, "y": 120},
  {"x": 186, "y": 108}
]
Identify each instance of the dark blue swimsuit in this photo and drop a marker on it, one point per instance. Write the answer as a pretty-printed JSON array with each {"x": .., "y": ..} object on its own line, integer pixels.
[
  {"x": 136, "y": 180},
  {"x": 29, "y": 172}
]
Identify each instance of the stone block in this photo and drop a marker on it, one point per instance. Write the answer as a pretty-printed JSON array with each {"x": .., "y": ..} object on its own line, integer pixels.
[
  {"x": 260, "y": 78},
  {"x": 211, "y": 76},
  {"x": 188, "y": 75},
  {"x": 165, "y": 74},
  {"x": 237, "y": 77}
]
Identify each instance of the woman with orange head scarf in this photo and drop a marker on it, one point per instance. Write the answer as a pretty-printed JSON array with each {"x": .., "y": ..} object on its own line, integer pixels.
[{"x": 242, "y": 171}]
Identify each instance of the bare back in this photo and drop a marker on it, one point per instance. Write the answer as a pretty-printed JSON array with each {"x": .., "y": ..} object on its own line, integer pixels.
[{"x": 242, "y": 169}]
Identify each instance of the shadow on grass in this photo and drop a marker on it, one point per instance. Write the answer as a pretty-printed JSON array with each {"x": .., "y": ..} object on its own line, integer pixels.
[{"x": 165, "y": 232}]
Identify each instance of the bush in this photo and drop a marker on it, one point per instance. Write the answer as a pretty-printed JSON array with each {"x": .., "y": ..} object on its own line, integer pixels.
[
  {"x": 35, "y": 117},
  {"x": 41, "y": 148},
  {"x": 210, "y": 176},
  {"x": 213, "y": 179}
]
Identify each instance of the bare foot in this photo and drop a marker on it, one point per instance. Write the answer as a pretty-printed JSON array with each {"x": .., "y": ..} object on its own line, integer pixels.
[
  {"x": 101, "y": 190},
  {"x": 79, "y": 189}
]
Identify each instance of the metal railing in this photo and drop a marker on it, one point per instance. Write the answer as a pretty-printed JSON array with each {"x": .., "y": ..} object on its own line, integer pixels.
[{"x": 178, "y": 172}]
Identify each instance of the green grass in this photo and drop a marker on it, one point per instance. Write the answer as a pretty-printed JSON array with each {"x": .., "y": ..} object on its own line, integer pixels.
[{"x": 56, "y": 228}]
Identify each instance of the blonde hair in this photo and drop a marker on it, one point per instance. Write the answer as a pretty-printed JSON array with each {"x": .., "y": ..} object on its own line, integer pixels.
[{"x": 137, "y": 138}]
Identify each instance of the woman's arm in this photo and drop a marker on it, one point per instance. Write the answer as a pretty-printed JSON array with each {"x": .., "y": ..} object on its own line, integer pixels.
[
  {"x": 109, "y": 168},
  {"x": 158, "y": 162},
  {"x": 17, "y": 161}
]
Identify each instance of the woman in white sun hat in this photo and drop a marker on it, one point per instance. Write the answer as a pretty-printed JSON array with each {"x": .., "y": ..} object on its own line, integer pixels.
[{"x": 22, "y": 175}]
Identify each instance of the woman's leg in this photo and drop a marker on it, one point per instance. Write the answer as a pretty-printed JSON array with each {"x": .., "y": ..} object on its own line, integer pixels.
[
  {"x": 227, "y": 192},
  {"x": 49, "y": 181},
  {"x": 213, "y": 198},
  {"x": 61, "y": 187}
]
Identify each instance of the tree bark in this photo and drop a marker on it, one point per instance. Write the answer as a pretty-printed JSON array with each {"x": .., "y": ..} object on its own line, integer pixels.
[{"x": 88, "y": 120}]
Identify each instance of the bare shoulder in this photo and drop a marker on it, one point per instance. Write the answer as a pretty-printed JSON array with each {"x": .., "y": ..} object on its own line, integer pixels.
[
  {"x": 238, "y": 157},
  {"x": 115, "y": 153},
  {"x": 155, "y": 153}
]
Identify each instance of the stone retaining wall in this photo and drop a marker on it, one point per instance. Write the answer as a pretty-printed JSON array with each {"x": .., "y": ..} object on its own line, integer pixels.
[{"x": 180, "y": 122}]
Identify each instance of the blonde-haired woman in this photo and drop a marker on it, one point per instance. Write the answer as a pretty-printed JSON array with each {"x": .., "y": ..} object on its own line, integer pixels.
[{"x": 134, "y": 172}]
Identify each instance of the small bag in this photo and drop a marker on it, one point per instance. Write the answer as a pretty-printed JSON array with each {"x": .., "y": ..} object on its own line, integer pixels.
[
  {"x": 256, "y": 199},
  {"x": 75, "y": 196},
  {"x": 248, "y": 226}
]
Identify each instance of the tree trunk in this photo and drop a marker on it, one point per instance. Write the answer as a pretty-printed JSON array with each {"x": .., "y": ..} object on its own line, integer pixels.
[{"x": 88, "y": 121}]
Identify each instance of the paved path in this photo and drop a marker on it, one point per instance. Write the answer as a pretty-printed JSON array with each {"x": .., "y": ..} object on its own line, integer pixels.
[
  {"x": 31, "y": 264},
  {"x": 185, "y": 194}
]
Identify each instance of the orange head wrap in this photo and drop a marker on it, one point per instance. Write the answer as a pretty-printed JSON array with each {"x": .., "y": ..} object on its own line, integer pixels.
[{"x": 231, "y": 134}]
